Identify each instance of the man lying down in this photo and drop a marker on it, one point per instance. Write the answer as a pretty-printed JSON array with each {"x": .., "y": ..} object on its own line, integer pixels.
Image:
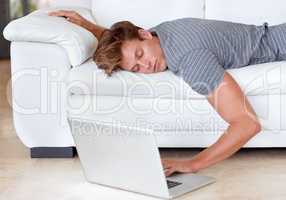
[{"x": 200, "y": 51}]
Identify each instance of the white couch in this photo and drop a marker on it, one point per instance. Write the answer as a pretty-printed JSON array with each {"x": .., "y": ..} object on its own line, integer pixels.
[{"x": 47, "y": 89}]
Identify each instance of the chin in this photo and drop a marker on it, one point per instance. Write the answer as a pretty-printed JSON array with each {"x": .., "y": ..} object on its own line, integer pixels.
[{"x": 163, "y": 68}]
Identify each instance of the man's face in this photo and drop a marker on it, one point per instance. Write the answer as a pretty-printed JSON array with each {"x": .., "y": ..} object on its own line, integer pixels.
[{"x": 144, "y": 56}]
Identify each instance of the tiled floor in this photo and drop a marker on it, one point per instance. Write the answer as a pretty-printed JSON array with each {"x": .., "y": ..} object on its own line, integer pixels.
[{"x": 250, "y": 174}]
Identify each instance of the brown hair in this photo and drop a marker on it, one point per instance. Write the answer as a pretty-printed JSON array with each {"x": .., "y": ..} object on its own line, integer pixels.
[{"x": 108, "y": 55}]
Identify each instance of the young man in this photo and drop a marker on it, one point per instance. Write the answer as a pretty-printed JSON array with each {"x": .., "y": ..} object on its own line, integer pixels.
[{"x": 199, "y": 51}]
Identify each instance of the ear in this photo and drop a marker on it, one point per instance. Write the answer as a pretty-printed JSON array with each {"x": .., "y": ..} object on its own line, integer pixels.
[{"x": 144, "y": 34}]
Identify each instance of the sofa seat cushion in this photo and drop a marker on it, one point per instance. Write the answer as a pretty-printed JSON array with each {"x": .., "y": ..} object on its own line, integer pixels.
[
  {"x": 173, "y": 116},
  {"x": 88, "y": 79}
]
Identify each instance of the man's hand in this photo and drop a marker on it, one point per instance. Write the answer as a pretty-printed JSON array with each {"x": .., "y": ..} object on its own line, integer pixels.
[
  {"x": 183, "y": 166},
  {"x": 71, "y": 16}
]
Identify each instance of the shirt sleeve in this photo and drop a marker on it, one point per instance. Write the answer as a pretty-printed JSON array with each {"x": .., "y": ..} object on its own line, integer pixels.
[{"x": 202, "y": 71}]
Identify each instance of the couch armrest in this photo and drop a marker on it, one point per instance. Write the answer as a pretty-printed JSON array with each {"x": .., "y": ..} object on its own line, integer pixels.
[
  {"x": 38, "y": 26},
  {"x": 38, "y": 74}
]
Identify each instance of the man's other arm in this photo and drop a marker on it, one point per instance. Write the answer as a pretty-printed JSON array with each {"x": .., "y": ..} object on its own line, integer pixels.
[{"x": 76, "y": 18}]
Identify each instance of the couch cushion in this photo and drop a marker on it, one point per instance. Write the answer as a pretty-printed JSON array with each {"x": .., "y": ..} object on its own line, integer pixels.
[
  {"x": 88, "y": 79},
  {"x": 247, "y": 11},
  {"x": 78, "y": 43},
  {"x": 262, "y": 79},
  {"x": 171, "y": 116},
  {"x": 146, "y": 13}
]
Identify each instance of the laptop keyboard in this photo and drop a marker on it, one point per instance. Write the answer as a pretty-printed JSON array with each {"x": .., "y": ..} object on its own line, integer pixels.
[{"x": 172, "y": 184}]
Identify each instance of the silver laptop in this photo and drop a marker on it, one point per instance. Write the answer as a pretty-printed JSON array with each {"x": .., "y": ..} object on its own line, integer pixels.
[{"x": 128, "y": 158}]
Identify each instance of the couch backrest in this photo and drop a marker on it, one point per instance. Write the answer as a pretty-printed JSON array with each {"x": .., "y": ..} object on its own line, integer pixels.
[
  {"x": 247, "y": 11},
  {"x": 70, "y": 3},
  {"x": 145, "y": 13},
  {"x": 151, "y": 12}
]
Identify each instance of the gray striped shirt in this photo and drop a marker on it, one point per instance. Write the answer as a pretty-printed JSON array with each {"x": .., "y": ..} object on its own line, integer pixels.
[{"x": 199, "y": 50}]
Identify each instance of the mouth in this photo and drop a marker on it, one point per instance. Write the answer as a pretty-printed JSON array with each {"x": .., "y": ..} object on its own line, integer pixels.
[{"x": 155, "y": 66}]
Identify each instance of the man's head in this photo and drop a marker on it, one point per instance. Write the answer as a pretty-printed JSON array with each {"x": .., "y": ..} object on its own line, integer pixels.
[{"x": 129, "y": 47}]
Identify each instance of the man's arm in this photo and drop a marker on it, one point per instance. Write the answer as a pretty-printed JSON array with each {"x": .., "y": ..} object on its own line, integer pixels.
[
  {"x": 95, "y": 29},
  {"x": 232, "y": 105},
  {"x": 76, "y": 18}
]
